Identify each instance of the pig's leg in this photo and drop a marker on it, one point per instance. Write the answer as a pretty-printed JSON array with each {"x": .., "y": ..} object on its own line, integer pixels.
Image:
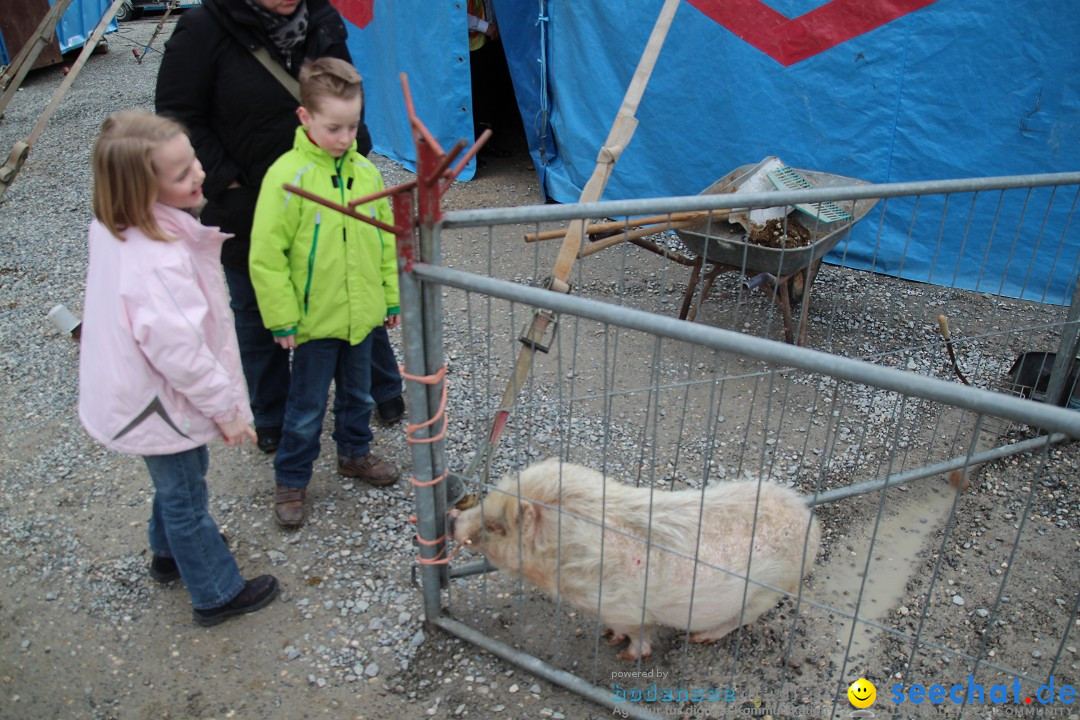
[
  {"x": 639, "y": 646},
  {"x": 757, "y": 605},
  {"x": 614, "y": 638},
  {"x": 713, "y": 634}
]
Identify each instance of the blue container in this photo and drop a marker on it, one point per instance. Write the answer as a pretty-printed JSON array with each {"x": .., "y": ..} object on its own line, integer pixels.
[{"x": 79, "y": 22}]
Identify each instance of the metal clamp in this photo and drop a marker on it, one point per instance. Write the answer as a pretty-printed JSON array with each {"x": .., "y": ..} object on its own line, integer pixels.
[{"x": 536, "y": 330}]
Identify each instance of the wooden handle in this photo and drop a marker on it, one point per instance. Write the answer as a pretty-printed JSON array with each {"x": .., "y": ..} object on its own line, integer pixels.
[
  {"x": 603, "y": 227},
  {"x": 633, "y": 235},
  {"x": 943, "y": 323}
]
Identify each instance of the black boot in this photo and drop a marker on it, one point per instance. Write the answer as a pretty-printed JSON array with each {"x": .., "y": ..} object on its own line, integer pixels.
[
  {"x": 257, "y": 594},
  {"x": 164, "y": 569}
]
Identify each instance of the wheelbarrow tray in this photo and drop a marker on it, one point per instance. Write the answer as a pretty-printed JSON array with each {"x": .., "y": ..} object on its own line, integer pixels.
[{"x": 725, "y": 243}]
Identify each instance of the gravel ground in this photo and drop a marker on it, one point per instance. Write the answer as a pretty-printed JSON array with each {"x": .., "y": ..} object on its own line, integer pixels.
[{"x": 84, "y": 633}]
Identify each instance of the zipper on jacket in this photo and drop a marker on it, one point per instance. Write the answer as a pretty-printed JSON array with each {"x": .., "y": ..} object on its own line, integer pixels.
[
  {"x": 339, "y": 183},
  {"x": 311, "y": 260}
]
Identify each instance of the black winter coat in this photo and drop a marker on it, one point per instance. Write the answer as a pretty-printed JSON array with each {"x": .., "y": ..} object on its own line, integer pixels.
[{"x": 240, "y": 117}]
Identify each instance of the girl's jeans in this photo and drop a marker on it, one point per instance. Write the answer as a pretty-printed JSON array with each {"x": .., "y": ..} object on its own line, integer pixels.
[
  {"x": 315, "y": 364},
  {"x": 181, "y": 528}
]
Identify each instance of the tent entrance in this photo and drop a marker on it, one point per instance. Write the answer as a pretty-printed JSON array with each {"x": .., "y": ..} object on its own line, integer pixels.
[{"x": 494, "y": 103}]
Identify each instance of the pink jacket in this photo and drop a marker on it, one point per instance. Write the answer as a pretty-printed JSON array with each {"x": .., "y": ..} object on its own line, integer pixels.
[{"x": 158, "y": 363}]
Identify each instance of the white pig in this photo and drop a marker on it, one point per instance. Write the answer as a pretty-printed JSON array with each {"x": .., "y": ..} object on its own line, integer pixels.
[{"x": 549, "y": 525}]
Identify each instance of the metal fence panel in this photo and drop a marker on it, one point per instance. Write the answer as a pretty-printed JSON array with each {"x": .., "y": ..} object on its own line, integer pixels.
[{"x": 915, "y": 584}]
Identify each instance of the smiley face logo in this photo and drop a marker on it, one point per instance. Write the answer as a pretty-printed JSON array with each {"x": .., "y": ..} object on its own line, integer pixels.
[{"x": 862, "y": 693}]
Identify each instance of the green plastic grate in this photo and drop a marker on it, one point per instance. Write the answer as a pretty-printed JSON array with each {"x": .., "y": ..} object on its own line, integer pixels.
[{"x": 785, "y": 178}]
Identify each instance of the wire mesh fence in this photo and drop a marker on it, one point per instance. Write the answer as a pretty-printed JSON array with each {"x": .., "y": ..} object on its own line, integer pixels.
[{"x": 915, "y": 583}]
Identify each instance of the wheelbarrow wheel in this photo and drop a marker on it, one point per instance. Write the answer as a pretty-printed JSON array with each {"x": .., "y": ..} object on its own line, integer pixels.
[{"x": 796, "y": 288}]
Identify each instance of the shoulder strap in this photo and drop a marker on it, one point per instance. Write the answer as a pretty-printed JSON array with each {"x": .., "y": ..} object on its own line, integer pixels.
[{"x": 287, "y": 81}]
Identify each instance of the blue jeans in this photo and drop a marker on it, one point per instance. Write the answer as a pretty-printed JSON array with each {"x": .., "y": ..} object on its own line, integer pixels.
[
  {"x": 180, "y": 527},
  {"x": 266, "y": 365},
  {"x": 315, "y": 364},
  {"x": 385, "y": 376}
]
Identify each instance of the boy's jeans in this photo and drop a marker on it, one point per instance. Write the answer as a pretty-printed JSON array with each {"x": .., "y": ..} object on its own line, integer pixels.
[
  {"x": 315, "y": 364},
  {"x": 385, "y": 376},
  {"x": 180, "y": 527}
]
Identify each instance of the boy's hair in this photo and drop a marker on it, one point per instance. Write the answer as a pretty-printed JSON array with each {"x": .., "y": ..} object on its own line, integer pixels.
[
  {"x": 328, "y": 77},
  {"x": 125, "y": 181}
]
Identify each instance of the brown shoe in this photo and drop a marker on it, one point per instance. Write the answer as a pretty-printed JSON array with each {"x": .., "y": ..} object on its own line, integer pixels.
[
  {"x": 289, "y": 506},
  {"x": 371, "y": 468}
]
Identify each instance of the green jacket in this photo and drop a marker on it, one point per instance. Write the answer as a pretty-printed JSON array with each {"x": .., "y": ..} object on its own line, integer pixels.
[{"x": 315, "y": 271}]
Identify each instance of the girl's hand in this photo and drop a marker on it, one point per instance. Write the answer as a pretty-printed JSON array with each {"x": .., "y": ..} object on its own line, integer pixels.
[
  {"x": 287, "y": 342},
  {"x": 392, "y": 321},
  {"x": 235, "y": 431}
]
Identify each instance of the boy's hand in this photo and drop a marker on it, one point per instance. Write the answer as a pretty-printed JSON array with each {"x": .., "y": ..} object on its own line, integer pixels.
[
  {"x": 392, "y": 321},
  {"x": 235, "y": 431},
  {"x": 286, "y": 341}
]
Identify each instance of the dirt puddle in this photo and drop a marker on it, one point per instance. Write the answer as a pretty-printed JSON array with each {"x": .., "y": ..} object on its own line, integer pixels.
[{"x": 908, "y": 520}]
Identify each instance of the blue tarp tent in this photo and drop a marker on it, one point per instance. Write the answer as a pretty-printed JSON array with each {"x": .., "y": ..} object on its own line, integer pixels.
[{"x": 881, "y": 90}]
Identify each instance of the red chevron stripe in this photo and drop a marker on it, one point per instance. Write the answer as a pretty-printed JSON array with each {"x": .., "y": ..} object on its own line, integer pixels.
[
  {"x": 358, "y": 12},
  {"x": 791, "y": 40}
]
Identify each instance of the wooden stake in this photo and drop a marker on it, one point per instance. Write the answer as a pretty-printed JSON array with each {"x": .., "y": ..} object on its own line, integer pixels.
[{"x": 21, "y": 150}]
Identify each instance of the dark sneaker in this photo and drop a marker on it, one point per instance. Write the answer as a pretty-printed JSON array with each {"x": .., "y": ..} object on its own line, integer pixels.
[
  {"x": 268, "y": 438},
  {"x": 257, "y": 594},
  {"x": 371, "y": 468},
  {"x": 164, "y": 569},
  {"x": 289, "y": 506},
  {"x": 391, "y": 411}
]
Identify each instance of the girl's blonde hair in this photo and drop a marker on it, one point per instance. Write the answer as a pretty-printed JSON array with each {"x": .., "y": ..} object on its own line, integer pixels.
[{"x": 125, "y": 181}]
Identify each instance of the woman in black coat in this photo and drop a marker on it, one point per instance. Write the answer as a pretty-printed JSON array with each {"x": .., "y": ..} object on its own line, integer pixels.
[{"x": 241, "y": 119}]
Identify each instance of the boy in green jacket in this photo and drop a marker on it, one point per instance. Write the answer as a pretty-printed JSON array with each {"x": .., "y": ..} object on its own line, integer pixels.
[{"x": 324, "y": 281}]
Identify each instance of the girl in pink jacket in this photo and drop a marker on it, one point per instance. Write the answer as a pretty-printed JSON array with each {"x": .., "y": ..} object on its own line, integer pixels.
[{"x": 159, "y": 368}]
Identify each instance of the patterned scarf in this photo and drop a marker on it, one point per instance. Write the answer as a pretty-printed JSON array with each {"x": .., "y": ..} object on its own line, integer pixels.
[{"x": 285, "y": 31}]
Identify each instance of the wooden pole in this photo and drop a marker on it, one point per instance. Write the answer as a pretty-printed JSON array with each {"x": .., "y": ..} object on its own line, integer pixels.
[
  {"x": 622, "y": 130},
  {"x": 12, "y": 77}
]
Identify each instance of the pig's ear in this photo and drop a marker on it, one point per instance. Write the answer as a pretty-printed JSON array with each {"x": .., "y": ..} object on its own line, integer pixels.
[{"x": 530, "y": 518}]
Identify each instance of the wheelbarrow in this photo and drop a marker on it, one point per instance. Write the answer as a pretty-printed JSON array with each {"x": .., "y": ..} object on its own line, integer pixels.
[{"x": 788, "y": 272}]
